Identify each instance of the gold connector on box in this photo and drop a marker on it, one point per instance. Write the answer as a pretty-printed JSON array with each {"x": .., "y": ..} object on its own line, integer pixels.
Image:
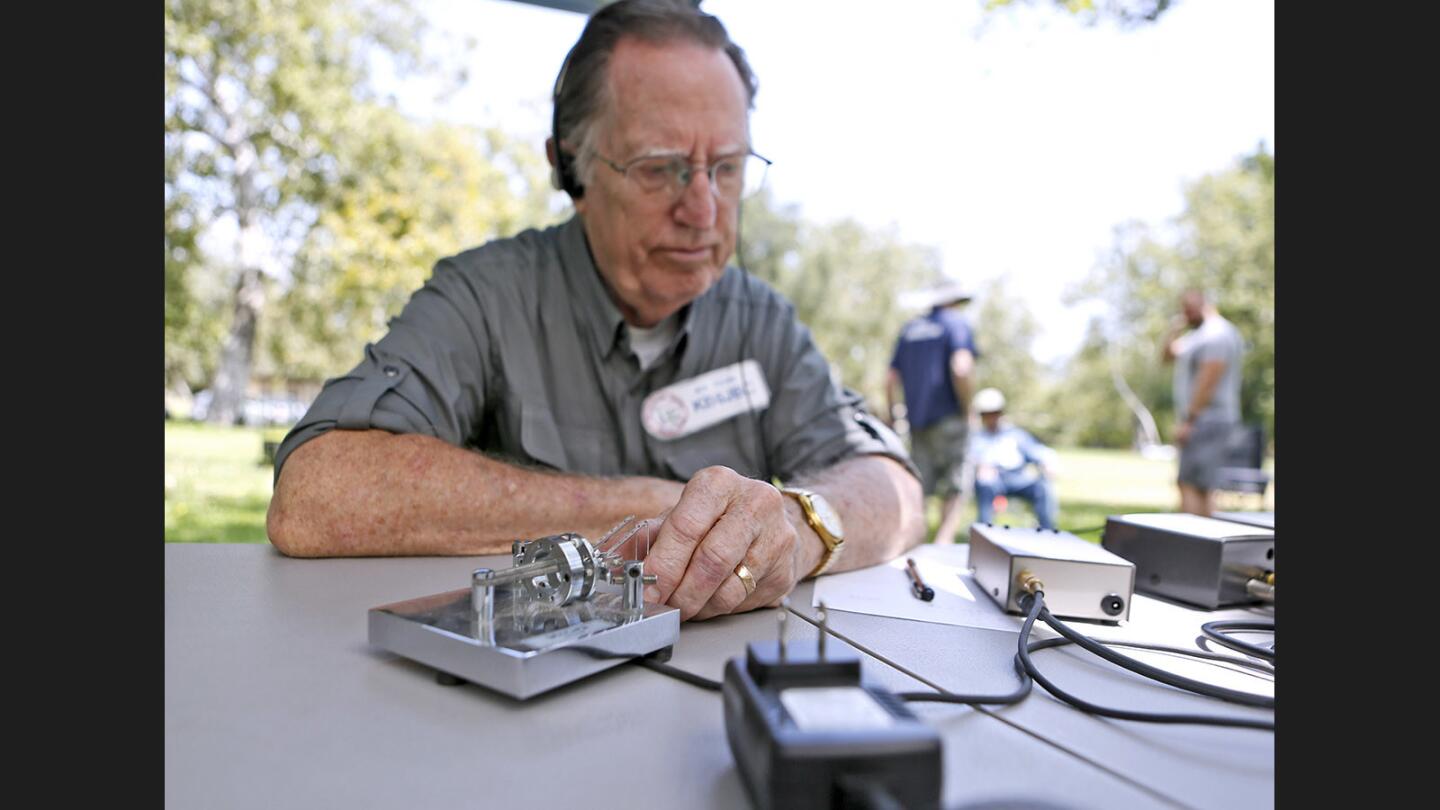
[{"x": 1029, "y": 582}]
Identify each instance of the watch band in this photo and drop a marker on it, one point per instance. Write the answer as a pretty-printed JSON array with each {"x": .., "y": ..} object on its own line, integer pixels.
[{"x": 833, "y": 544}]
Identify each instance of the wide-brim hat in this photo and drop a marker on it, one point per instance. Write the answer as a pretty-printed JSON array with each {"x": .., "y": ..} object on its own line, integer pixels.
[{"x": 951, "y": 292}]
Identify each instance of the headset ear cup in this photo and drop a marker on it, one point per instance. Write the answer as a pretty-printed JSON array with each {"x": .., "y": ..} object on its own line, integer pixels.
[
  {"x": 562, "y": 169},
  {"x": 567, "y": 179}
]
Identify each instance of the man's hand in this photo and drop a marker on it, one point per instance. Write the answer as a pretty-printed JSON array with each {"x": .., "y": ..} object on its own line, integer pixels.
[
  {"x": 722, "y": 520},
  {"x": 1182, "y": 433}
]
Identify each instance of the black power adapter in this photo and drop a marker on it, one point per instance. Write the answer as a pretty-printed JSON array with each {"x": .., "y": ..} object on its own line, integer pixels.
[{"x": 807, "y": 732}]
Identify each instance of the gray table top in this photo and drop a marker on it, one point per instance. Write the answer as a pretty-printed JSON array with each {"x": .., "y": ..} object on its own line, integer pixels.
[{"x": 274, "y": 698}]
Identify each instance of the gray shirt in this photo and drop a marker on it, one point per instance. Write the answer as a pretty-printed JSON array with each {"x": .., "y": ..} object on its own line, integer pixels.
[
  {"x": 516, "y": 349},
  {"x": 1215, "y": 339}
]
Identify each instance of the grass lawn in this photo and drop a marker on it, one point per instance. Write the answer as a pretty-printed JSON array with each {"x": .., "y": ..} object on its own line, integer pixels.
[{"x": 217, "y": 486}]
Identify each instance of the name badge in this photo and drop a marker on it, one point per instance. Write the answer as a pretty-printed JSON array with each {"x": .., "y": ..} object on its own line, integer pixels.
[{"x": 692, "y": 405}]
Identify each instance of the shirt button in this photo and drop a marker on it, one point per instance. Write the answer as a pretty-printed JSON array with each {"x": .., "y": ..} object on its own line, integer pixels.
[{"x": 391, "y": 371}]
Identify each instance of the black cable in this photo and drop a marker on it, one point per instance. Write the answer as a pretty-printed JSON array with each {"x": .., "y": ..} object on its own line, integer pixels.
[
  {"x": 866, "y": 792},
  {"x": 1215, "y": 630},
  {"x": 1152, "y": 672},
  {"x": 1024, "y": 651},
  {"x": 1205, "y": 655},
  {"x": 679, "y": 674}
]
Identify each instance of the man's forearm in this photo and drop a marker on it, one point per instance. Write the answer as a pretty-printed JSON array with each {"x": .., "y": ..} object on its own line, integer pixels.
[
  {"x": 962, "y": 368},
  {"x": 374, "y": 493},
  {"x": 878, "y": 501}
]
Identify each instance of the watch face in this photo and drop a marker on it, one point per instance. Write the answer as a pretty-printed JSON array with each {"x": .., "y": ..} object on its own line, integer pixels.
[{"x": 827, "y": 515}]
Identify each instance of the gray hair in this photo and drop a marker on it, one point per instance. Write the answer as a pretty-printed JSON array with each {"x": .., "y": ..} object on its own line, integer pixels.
[{"x": 580, "y": 95}]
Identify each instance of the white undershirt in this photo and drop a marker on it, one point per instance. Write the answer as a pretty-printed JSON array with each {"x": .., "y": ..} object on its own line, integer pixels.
[{"x": 649, "y": 343}]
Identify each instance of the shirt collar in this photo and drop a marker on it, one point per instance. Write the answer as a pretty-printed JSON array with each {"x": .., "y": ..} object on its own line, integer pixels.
[{"x": 590, "y": 299}]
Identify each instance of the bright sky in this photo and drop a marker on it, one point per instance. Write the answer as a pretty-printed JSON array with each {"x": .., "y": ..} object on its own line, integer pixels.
[{"x": 1015, "y": 149}]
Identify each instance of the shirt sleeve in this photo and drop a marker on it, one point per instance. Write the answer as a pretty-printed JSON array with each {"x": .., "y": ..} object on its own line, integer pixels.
[
  {"x": 958, "y": 333},
  {"x": 1033, "y": 450},
  {"x": 813, "y": 422},
  {"x": 1211, "y": 345},
  {"x": 426, "y": 375}
]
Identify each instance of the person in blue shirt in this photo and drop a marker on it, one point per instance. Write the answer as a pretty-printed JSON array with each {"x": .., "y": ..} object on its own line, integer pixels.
[
  {"x": 1008, "y": 461},
  {"x": 934, "y": 362}
]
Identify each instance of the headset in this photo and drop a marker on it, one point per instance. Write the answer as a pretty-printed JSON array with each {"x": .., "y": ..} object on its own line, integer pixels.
[{"x": 562, "y": 174}]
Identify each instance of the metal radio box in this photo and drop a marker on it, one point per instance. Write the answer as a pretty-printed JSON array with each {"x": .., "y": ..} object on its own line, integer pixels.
[
  {"x": 1196, "y": 560},
  {"x": 1082, "y": 580}
]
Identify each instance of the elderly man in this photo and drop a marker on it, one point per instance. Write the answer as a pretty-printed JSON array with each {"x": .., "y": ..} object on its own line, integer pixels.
[{"x": 612, "y": 365}]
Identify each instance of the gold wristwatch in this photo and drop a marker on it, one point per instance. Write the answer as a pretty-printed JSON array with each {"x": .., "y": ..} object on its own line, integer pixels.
[{"x": 823, "y": 518}]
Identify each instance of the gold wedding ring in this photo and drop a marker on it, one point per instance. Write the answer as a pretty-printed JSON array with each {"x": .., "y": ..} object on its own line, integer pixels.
[{"x": 746, "y": 578}]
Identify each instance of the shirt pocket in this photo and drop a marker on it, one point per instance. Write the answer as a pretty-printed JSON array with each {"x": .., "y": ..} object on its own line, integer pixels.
[
  {"x": 569, "y": 448},
  {"x": 540, "y": 439}
]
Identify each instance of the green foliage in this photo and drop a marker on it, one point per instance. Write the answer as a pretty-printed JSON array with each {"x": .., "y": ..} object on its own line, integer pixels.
[
  {"x": 193, "y": 328},
  {"x": 845, "y": 281},
  {"x": 1224, "y": 243},
  {"x": 1084, "y": 409},
  {"x": 1005, "y": 333},
  {"x": 410, "y": 196},
  {"x": 273, "y": 128},
  {"x": 1124, "y": 13}
]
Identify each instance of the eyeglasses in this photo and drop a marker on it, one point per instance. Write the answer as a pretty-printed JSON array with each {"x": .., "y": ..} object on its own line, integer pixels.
[{"x": 732, "y": 177}]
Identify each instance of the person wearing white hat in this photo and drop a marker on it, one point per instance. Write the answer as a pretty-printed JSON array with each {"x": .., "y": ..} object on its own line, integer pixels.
[{"x": 1008, "y": 461}]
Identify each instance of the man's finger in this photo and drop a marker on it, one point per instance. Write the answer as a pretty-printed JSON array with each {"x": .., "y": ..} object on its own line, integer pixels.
[
  {"x": 715, "y": 559},
  {"x": 701, "y": 504}
]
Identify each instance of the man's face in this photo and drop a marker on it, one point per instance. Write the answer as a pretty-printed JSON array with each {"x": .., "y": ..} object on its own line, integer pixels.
[
  {"x": 1193, "y": 307},
  {"x": 991, "y": 420},
  {"x": 655, "y": 251}
]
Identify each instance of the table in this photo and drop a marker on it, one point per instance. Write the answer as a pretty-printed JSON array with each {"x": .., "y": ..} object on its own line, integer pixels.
[{"x": 274, "y": 698}]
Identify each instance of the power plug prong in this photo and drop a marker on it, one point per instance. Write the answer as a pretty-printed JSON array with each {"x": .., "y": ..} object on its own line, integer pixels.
[
  {"x": 824, "y": 616},
  {"x": 781, "y": 617}
]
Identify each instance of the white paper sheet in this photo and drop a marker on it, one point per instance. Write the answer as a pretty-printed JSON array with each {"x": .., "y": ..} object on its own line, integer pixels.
[{"x": 884, "y": 590}]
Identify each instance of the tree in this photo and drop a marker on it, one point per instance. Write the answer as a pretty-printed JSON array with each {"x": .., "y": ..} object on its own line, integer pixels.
[
  {"x": 334, "y": 206},
  {"x": 256, "y": 92},
  {"x": 409, "y": 196},
  {"x": 1125, "y": 13},
  {"x": 1224, "y": 243},
  {"x": 845, "y": 281},
  {"x": 1005, "y": 333}
]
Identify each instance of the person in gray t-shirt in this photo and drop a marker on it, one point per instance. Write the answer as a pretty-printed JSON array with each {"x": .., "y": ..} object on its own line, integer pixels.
[
  {"x": 611, "y": 366},
  {"x": 1207, "y": 351}
]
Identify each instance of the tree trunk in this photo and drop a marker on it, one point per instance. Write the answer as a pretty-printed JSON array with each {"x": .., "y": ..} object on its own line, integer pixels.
[{"x": 232, "y": 378}]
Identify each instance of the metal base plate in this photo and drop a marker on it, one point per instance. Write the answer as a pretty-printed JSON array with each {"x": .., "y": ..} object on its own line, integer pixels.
[{"x": 531, "y": 646}]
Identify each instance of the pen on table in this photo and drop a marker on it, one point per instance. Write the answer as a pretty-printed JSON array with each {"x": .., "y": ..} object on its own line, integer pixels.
[{"x": 918, "y": 587}]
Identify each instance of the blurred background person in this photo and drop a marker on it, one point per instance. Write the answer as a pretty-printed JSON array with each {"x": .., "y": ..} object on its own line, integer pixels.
[
  {"x": 1009, "y": 462},
  {"x": 934, "y": 364},
  {"x": 1206, "y": 350}
]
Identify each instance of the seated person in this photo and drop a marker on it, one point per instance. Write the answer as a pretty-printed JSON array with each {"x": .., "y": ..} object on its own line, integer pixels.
[
  {"x": 617, "y": 364},
  {"x": 1003, "y": 456}
]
